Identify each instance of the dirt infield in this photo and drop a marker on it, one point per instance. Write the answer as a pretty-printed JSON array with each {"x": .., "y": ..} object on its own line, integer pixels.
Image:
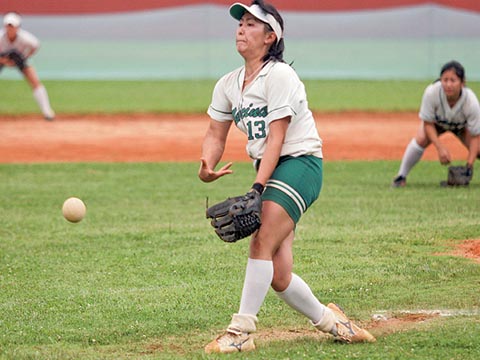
[{"x": 150, "y": 138}]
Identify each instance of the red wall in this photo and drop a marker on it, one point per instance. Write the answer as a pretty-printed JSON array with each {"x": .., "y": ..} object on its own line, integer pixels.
[{"x": 109, "y": 6}]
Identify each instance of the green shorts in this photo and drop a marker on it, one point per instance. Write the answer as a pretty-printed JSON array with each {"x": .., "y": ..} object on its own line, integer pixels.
[{"x": 295, "y": 184}]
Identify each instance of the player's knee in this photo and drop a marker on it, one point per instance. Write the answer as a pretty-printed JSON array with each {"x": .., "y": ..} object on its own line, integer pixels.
[
  {"x": 260, "y": 248},
  {"x": 420, "y": 142}
]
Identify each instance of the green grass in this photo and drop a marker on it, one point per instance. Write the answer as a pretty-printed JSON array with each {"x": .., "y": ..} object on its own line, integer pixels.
[
  {"x": 143, "y": 276},
  {"x": 85, "y": 97}
]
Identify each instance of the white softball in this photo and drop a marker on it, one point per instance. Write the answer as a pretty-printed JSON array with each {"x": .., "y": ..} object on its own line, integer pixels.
[{"x": 74, "y": 209}]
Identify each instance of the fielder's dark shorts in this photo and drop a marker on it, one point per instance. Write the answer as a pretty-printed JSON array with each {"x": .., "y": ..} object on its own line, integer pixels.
[
  {"x": 458, "y": 131},
  {"x": 295, "y": 184}
]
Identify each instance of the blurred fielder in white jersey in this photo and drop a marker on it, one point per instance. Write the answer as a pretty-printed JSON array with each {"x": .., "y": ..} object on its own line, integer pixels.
[{"x": 16, "y": 47}]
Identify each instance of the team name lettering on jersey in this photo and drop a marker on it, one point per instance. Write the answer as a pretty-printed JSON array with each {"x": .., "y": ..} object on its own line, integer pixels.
[
  {"x": 448, "y": 125},
  {"x": 250, "y": 111}
]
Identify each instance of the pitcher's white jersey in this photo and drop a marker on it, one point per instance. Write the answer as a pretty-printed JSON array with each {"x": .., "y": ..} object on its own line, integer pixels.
[
  {"x": 465, "y": 113},
  {"x": 275, "y": 93},
  {"x": 25, "y": 42}
]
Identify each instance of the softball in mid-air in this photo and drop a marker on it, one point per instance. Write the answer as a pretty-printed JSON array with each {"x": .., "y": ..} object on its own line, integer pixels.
[{"x": 74, "y": 209}]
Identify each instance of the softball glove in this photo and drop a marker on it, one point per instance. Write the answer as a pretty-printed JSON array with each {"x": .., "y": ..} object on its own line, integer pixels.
[
  {"x": 236, "y": 218},
  {"x": 458, "y": 176}
]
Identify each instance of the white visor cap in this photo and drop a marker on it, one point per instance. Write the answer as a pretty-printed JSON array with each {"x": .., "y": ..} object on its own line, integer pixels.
[
  {"x": 237, "y": 10},
  {"x": 12, "y": 19}
]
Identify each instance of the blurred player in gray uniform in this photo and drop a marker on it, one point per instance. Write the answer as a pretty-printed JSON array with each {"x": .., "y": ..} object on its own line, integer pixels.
[
  {"x": 447, "y": 105},
  {"x": 16, "y": 47},
  {"x": 266, "y": 100}
]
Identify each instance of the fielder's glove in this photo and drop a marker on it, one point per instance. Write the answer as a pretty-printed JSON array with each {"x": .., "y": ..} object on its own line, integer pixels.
[
  {"x": 458, "y": 176},
  {"x": 238, "y": 217},
  {"x": 16, "y": 57}
]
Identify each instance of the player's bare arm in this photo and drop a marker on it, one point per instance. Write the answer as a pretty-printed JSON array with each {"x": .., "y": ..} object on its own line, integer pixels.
[
  {"x": 212, "y": 151},
  {"x": 432, "y": 135},
  {"x": 473, "y": 150},
  {"x": 276, "y": 137},
  {"x": 31, "y": 51}
]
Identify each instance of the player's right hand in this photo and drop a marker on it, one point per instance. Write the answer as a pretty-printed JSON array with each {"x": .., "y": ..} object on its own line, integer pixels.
[
  {"x": 206, "y": 174},
  {"x": 444, "y": 155}
]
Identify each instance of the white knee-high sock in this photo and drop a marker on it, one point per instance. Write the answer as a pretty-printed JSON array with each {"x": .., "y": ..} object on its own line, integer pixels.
[
  {"x": 413, "y": 154},
  {"x": 299, "y": 296},
  {"x": 41, "y": 97},
  {"x": 258, "y": 278}
]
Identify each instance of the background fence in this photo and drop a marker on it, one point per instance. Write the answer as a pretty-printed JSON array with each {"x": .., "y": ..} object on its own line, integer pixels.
[{"x": 197, "y": 41}]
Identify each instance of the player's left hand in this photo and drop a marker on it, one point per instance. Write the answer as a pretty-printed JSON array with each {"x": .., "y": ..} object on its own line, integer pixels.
[
  {"x": 206, "y": 174},
  {"x": 238, "y": 217}
]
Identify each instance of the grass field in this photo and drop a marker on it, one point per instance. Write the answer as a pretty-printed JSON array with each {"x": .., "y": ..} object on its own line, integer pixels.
[
  {"x": 84, "y": 97},
  {"x": 143, "y": 276}
]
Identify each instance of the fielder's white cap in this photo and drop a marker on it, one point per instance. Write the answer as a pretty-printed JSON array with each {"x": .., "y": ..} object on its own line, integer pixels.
[
  {"x": 12, "y": 19},
  {"x": 237, "y": 10}
]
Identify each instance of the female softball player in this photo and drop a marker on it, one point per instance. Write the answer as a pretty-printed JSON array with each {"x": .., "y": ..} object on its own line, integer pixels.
[
  {"x": 447, "y": 105},
  {"x": 16, "y": 47},
  {"x": 267, "y": 101}
]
